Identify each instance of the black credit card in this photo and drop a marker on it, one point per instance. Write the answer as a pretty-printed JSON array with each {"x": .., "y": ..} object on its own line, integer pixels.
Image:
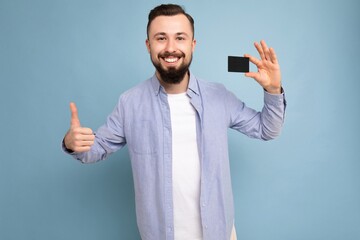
[{"x": 238, "y": 64}]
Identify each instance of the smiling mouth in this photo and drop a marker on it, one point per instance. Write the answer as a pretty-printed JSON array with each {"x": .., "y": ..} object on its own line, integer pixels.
[{"x": 171, "y": 59}]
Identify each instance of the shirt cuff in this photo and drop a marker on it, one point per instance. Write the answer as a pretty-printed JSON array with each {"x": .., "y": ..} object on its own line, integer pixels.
[
  {"x": 275, "y": 99},
  {"x": 66, "y": 150}
]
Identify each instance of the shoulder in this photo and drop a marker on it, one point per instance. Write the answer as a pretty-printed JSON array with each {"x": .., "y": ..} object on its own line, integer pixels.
[
  {"x": 136, "y": 92},
  {"x": 217, "y": 94},
  {"x": 212, "y": 88}
]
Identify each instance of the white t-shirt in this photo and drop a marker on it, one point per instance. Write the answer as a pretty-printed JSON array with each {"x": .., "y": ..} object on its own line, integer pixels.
[{"x": 185, "y": 169}]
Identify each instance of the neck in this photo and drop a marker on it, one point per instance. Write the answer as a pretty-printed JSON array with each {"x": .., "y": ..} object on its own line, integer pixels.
[{"x": 175, "y": 88}]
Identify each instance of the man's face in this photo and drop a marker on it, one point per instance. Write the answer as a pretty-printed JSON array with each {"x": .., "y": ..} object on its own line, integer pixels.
[{"x": 171, "y": 45}]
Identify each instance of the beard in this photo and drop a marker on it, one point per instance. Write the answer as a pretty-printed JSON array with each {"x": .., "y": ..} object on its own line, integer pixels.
[{"x": 172, "y": 75}]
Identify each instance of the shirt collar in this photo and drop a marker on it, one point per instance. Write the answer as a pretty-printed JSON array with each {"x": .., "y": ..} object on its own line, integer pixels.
[{"x": 192, "y": 87}]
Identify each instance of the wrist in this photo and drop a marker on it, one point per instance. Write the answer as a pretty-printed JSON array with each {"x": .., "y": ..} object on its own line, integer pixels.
[
  {"x": 274, "y": 90},
  {"x": 65, "y": 147}
]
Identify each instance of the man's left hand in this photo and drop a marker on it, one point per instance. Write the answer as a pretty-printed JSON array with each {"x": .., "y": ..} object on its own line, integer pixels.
[{"x": 269, "y": 74}]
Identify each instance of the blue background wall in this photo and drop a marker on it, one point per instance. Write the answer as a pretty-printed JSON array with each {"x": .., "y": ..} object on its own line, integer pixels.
[{"x": 304, "y": 185}]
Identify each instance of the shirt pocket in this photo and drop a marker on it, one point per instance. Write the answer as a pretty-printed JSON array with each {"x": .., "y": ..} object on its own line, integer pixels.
[{"x": 143, "y": 137}]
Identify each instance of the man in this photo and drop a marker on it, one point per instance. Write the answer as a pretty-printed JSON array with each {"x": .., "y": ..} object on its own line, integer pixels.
[{"x": 175, "y": 126}]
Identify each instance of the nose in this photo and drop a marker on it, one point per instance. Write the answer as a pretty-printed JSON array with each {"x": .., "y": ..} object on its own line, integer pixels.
[{"x": 170, "y": 46}]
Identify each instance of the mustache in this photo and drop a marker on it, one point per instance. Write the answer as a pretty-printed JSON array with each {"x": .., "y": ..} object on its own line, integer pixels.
[{"x": 171, "y": 54}]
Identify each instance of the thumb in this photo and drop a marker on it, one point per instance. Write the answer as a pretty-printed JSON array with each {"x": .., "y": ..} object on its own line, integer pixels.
[
  {"x": 253, "y": 75},
  {"x": 74, "y": 122}
]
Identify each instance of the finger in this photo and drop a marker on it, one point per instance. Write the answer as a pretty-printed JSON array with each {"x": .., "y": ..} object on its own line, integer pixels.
[
  {"x": 74, "y": 122},
  {"x": 265, "y": 50},
  {"x": 84, "y": 143},
  {"x": 82, "y": 149},
  {"x": 254, "y": 60},
  {"x": 81, "y": 137},
  {"x": 273, "y": 56},
  {"x": 253, "y": 75},
  {"x": 260, "y": 50},
  {"x": 83, "y": 131}
]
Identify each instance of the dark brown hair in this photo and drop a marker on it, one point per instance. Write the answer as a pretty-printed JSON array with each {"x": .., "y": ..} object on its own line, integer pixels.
[{"x": 168, "y": 10}]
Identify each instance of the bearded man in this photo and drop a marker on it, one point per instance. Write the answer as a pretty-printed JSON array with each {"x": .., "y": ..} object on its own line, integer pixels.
[{"x": 175, "y": 126}]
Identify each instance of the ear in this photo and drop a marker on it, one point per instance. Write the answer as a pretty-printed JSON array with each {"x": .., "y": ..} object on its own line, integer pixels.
[
  {"x": 193, "y": 45},
  {"x": 147, "y": 42}
]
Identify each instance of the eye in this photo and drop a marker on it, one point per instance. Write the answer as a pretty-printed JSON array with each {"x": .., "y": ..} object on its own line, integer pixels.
[
  {"x": 160, "y": 39},
  {"x": 180, "y": 38}
]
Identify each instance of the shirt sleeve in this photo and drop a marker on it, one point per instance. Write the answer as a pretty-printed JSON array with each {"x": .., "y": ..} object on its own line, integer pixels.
[{"x": 265, "y": 125}]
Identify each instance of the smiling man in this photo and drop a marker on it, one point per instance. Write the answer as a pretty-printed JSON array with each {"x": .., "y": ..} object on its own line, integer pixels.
[{"x": 175, "y": 126}]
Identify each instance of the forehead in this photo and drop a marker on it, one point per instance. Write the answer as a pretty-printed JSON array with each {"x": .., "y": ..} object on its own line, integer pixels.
[{"x": 170, "y": 25}]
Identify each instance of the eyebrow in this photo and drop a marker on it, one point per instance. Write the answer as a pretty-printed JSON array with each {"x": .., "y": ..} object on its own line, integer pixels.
[{"x": 164, "y": 34}]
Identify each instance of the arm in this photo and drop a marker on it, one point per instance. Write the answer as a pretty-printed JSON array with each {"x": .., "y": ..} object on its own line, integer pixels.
[
  {"x": 88, "y": 147},
  {"x": 266, "y": 124}
]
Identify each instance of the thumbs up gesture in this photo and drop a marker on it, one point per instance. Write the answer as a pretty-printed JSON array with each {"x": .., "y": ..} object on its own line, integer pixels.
[{"x": 78, "y": 139}]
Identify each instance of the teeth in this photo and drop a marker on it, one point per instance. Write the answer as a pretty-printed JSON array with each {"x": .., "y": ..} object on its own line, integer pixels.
[{"x": 171, "y": 60}]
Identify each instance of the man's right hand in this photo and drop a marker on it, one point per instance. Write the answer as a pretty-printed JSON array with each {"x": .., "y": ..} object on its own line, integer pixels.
[{"x": 78, "y": 139}]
